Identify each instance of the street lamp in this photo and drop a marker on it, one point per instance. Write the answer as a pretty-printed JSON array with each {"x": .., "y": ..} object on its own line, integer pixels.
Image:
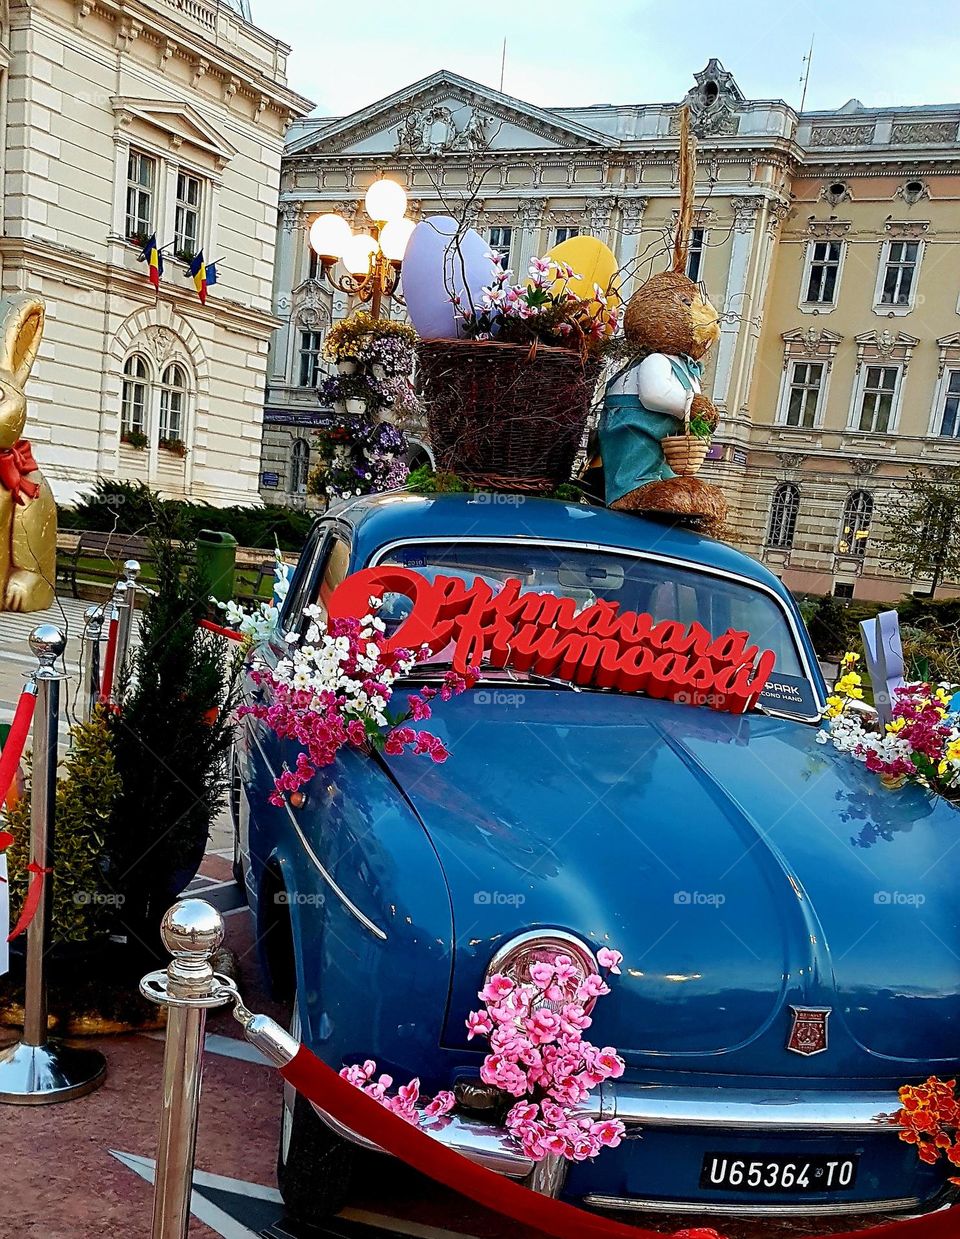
[{"x": 372, "y": 259}]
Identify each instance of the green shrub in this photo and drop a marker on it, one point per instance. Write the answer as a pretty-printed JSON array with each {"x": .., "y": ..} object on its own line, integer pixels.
[
  {"x": 133, "y": 508},
  {"x": 84, "y": 906}
]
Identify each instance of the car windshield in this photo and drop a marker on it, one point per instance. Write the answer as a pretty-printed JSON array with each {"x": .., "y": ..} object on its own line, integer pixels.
[{"x": 661, "y": 589}]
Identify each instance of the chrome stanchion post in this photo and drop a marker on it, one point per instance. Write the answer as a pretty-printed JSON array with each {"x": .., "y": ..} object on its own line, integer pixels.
[
  {"x": 126, "y": 611},
  {"x": 192, "y": 932},
  {"x": 35, "y": 1071},
  {"x": 92, "y": 635}
]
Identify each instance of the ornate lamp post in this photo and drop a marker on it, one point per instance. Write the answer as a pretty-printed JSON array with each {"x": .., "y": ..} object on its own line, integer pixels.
[{"x": 372, "y": 259}]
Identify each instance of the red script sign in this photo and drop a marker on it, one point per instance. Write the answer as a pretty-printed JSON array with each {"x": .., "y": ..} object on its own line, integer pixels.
[{"x": 601, "y": 645}]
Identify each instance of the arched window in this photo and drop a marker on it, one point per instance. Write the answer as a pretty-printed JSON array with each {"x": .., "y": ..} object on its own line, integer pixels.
[
  {"x": 855, "y": 526},
  {"x": 133, "y": 403},
  {"x": 299, "y": 466},
  {"x": 783, "y": 515},
  {"x": 173, "y": 404}
]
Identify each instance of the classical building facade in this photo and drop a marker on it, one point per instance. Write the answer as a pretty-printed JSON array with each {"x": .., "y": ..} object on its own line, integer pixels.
[
  {"x": 828, "y": 240},
  {"x": 119, "y": 119}
]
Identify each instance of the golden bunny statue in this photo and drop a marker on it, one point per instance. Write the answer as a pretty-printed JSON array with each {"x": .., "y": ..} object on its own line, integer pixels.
[{"x": 28, "y": 514}]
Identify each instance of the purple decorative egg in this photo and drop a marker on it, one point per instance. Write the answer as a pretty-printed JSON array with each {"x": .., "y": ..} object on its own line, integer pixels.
[{"x": 438, "y": 266}]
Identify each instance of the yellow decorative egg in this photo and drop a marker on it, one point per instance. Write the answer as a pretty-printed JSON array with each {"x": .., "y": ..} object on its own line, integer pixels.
[{"x": 593, "y": 263}]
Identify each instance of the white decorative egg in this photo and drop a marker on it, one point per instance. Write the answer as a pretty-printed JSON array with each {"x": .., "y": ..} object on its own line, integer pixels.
[{"x": 443, "y": 261}]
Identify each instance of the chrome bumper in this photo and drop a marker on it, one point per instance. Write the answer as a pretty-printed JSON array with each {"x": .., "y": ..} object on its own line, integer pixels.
[
  {"x": 738, "y": 1109},
  {"x": 657, "y": 1106}
]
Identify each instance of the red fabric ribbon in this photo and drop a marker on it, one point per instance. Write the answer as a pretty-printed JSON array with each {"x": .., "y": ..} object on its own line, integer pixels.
[
  {"x": 32, "y": 901},
  {"x": 230, "y": 633},
  {"x": 15, "y": 463},
  {"x": 106, "y": 684},
  {"x": 16, "y": 739},
  {"x": 321, "y": 1085}
]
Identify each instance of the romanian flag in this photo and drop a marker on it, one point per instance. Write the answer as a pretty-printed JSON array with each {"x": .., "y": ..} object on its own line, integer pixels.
[
  {"x": 203, "y": 275},
  {"x": 152, "y": 256}
]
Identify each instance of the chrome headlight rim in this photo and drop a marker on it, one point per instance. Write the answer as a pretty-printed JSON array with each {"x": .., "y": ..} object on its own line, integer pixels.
[{"x": 566, "y": 943}]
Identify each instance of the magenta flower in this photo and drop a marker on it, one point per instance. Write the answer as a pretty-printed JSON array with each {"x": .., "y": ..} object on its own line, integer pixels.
[{"x": 607, "y": 958}]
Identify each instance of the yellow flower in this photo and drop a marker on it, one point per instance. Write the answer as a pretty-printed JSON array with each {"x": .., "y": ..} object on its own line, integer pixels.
[
  {"x": 898, "y": 724},
  {"x": 834, "y": 706},
  {"x": 952, "y": 751},
  {"x": 850, "y": 658}
]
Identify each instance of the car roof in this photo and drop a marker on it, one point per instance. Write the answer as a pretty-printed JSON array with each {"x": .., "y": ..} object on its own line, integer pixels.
[{"x": 378, "y": 520}]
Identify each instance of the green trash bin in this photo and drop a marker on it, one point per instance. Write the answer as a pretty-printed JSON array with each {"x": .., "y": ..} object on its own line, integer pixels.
[{"x": 217, "y": 561}]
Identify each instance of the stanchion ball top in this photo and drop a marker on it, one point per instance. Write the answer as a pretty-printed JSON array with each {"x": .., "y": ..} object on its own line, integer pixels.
[
  {"x": 131, "y": 568},
  {"x": 192, "y": 927},
  {"x": 47, "y": 642}
]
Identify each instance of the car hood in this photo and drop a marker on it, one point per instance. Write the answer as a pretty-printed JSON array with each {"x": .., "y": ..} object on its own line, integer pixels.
[{"x": 741, "y": 867}]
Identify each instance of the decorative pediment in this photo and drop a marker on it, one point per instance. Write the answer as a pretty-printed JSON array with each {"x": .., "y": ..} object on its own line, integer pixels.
[
  {"x": 714, "y": 102},
  {"x": 444, "y": 114},
  {"x": 873, "y": 346},
  {"x": 906, "y": 229},
  {"x": 815, "y": 343},
  {"x": 831, "y": 229},
  {"x": 170, "y": 125},
  {"x": 949, "y": 350}
]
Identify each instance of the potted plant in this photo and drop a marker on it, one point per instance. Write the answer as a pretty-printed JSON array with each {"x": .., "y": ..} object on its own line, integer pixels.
[
  {"x": 173, "y": 444},
  {"x": 135, "y": 439}
]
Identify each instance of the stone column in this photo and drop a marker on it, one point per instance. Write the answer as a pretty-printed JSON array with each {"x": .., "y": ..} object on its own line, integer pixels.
[
  {"x": 745, "y": 212},
  {"x": 529, "y": 223},
  {"x": 627, "y": 239},
  {"x": 291, "y": 224}
]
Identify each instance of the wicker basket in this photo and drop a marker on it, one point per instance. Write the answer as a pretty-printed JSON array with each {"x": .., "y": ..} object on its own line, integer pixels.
[
  {"x": 505, "y": 415},
  {"x": 685, "y": 454}
]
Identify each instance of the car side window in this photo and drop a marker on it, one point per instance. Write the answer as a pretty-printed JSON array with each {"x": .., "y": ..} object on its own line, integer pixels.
[
  {"x": 311, "y": 555},
  {"x": 334, "y": 570}
]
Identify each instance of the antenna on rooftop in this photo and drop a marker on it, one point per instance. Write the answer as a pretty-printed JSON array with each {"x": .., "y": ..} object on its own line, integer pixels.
[
  {"x": 808, "y": 61},
  {"x": 503, "y": 62}
]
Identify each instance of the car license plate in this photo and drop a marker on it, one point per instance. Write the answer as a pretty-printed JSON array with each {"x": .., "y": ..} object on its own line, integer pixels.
[{"x": 756, "y": 1172}]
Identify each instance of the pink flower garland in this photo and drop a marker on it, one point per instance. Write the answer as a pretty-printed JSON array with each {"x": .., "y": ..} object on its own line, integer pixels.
[
  {"x": 538, "y": 1053},
  {"x": 335, "y": 691}
]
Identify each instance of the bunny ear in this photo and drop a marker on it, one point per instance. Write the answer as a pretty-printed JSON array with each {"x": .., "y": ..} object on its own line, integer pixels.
[{"x": 21, "y": 326}]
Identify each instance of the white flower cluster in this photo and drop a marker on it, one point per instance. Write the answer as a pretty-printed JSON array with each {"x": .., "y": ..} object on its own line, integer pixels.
[
  {"x": 848, "y": 734},
  {"x": 319, "y": 663},
  {"x": 257, "y": 625}
]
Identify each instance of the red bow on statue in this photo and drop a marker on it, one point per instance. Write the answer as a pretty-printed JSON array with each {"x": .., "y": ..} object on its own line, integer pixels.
[{"x": 15, "y": 463}]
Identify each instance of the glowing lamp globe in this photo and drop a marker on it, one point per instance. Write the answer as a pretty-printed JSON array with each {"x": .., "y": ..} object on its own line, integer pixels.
[
  {"x": 385, "y": 201},
  {"x": 330, "y": 235},
  {"x": 357, "y": 252},
  {"x": 394, "y": 238}
]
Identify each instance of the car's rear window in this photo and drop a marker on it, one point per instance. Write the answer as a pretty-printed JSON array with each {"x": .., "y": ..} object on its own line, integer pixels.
[{"x": 662, "y": 589}]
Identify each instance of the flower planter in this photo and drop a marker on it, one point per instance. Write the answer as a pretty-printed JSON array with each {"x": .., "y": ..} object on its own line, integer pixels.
[
  {"x": 355, "y": 404},
  {"x": 507, "y": 415},
  {"x": 347, "y": 366},
  {"x": 378, "y": 371}
]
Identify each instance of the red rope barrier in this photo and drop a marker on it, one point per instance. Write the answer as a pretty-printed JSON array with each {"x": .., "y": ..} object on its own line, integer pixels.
[
  {"x": 17, "y": 738},
  {"x": 230, "y": 633},
  {"x": 106, "y": 685},
  {"x": 321, "y": 1085},
  {"x": 32, "y": 902}
]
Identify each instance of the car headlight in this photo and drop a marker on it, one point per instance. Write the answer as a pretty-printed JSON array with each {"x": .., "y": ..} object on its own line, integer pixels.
[{"x": 516, "y": 957}]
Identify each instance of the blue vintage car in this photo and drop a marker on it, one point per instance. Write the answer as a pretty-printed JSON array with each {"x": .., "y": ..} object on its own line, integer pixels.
[{"x": 789, "y": 928}]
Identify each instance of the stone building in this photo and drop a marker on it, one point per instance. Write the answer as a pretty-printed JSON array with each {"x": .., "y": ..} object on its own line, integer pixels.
[
  {"x": 119, "y": 119},
  {"x": 828, "y": 240}
]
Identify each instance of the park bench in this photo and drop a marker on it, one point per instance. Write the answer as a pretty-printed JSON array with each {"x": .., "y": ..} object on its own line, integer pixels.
[{"x": 90, "y": 556}]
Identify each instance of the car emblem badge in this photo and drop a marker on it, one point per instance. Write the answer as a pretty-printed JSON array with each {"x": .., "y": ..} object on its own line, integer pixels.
[{"x": 809, "y": 1032}]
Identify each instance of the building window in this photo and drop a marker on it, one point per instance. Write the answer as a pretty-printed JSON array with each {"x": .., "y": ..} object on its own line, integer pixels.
[
  {"x": 898, "y": 274},
  {"x": 878, "y": 398},
  {"x": 500, "y": 241},
  {"x": 783, "y": 516},
  {"x": 949, "y": 413},
  {"x": 141, "y": 179},
  {"x": 563, "y": 234},
  {"x": 855, "y": 528},
  {"x": 802, "y": 400},
  {"x": 299, "y": 466},
  {"x": 313, "y": 270},
  {"x": 173, "y": 402},
  {"x": 822, "y": 274},
  {"x": 311, "y": 358},
  {"x": 186, "y": 238},
  {"x": 843, "y": 589},
  {"x": 698, "y": 238},
  {"x": 133, "y": 403}
]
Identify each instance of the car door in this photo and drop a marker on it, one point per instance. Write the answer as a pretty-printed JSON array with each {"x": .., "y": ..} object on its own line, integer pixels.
[{"x": 323, "y": 564}]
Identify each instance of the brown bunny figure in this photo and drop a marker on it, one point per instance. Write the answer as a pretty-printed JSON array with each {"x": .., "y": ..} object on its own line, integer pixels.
[
  {"x": 28, "y": 514},
  {"x": 670, "y": 326}
]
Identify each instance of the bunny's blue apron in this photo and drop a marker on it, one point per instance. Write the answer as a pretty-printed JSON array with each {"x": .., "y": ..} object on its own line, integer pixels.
[{"x": 630, "y": 433}]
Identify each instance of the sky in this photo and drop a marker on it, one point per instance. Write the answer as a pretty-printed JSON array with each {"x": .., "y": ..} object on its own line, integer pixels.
[{"x": 571, "y": 52}]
